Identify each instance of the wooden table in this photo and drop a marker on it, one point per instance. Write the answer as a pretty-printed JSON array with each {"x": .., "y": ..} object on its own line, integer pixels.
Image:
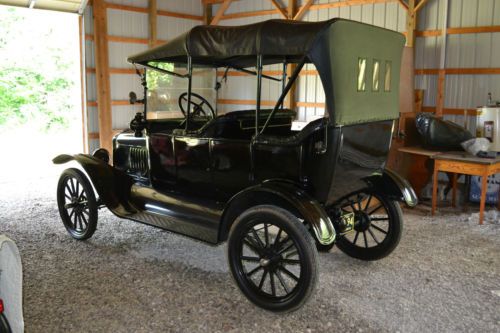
[{"x": 462, "y": 163}]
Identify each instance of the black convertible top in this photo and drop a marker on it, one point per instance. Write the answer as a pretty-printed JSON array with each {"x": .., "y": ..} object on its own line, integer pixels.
[
  {"x": 344, "y": 52},
  {"x": 238, "y": 46}
]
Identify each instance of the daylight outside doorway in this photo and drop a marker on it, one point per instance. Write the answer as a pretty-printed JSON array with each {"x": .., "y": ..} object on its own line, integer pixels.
[{"x": 40, "y": 91}]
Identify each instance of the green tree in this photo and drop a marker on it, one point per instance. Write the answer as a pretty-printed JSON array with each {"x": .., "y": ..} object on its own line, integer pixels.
[{"x": 35, "y": 78}]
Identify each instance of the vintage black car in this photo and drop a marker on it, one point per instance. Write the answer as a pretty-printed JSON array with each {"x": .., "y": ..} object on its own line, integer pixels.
[{"x": 274, "y": 193}]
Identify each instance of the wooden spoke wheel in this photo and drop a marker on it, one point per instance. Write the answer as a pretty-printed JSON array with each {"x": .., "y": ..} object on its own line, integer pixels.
[
  {"x": 77, "y": 204},
  {"x": 273, "y": 258},
  {"x": 377, "y": 228}
]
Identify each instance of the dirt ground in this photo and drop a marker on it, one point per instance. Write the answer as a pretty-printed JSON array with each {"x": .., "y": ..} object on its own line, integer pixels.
[{"x": 443, "y": 277}]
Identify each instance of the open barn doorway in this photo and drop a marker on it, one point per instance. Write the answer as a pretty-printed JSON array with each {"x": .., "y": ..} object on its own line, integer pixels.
[{"x": 40, "y": 91}]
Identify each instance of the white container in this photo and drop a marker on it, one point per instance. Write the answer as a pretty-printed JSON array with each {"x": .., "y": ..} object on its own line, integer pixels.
[{"x": 488, "y": 126}]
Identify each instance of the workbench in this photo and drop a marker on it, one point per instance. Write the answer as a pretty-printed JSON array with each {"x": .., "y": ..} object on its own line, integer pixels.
[
  {"x": 462, "y": 163},
  {"x": 456, "y": 163}
]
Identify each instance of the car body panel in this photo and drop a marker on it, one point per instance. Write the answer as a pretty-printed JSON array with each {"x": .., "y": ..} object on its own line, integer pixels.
[{"x": 11, "y": 278}]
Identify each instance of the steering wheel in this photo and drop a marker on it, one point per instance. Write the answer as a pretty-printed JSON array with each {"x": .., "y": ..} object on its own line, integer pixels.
[{"x": 197, "y": 110}]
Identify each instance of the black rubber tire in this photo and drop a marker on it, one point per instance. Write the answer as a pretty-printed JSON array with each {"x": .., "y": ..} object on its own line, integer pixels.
[
  {"x": 4, "y": 324},
  {"x": 324, "y": 248},
  {"x": 87, "y": 219},
  {"x": 305, "y": 248},
  {"x": 388, "y": 244}
]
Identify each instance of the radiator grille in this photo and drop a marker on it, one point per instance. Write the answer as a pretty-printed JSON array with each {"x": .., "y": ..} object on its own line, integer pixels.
[{"x": 139, "y": 160}]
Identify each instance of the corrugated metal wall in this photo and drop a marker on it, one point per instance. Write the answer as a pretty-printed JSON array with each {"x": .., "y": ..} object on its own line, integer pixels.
[
  {"x": 476, "y": 50},
  {"x": 127, "y": 23}
]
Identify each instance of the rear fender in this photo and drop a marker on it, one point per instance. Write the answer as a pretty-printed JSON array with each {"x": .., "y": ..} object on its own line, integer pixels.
[
  {"x": 285, "y": 195},
  {"x": 394, "y": 186},
  {"x": 112, "y": 185}
]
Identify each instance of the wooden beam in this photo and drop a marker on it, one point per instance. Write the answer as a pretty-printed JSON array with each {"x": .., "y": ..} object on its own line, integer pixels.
[
  {"x": 281, "y": 10},
  {"x": 152, "y": 17},
  {"x": 159, "y": 12},
  {"x": 419, "y": 5},
  {"x": 223, "y": 7},
  {"x": 131, "y": 40},
  {"x": 121, "y": 39},
  {"x": 290, "y": 101},
  {"x": 452, "y": 111},
  {"x": 250, "y": 14},
  {"x": 458, "y": 71},
  {"x": 102, "y": 73},
  {"x": 207, "y": 13},
  {"x": 303, "y": 10},
  {"x": 115, "y": 70},
  {"x": 85, "y": 140},
  {"x": 411, "y": 23},
  {"x": 403, "y": 4},
  {"x": 338, "y": 4},
  {"x": 311, "y": 105},
  {"x": 180, "y": 15}
]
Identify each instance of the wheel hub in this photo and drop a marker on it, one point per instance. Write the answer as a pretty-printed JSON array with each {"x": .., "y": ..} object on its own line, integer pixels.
[
  {"x": 362, "y": 221},
  {"x": 270, "y": 259}
]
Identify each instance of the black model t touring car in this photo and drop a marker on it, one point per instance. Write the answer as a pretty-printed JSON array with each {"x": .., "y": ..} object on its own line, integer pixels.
[{"x": 276, "y": 194}]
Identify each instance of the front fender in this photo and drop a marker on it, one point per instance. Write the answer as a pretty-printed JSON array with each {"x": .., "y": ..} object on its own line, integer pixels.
[
  {"x": 112, "y": 185},
  {"x": 276, "y": 192},
  {"x": 393, "y": 185}
]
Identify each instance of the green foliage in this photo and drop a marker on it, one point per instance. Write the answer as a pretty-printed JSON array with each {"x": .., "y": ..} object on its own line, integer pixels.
[
  {"x": 157, "y": 79},
  {"x": 36, "y": 80}
]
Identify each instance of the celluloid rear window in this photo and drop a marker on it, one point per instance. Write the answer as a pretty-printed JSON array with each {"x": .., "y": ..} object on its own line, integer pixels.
[
  {"x": 376, "y": 75},
  {"x": 388, "y": 74},
  {"x": 361, "y": 74}
]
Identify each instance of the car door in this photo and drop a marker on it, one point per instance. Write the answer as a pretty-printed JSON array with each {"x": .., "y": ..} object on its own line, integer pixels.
[
  {"x": 192, "y": 160},
  {"x": 231, "y": 166}
]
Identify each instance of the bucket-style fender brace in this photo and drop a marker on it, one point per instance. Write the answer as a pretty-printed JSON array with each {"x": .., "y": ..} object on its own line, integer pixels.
[
  {"x": 394, "y": 186},
  {"x": 112, "y": 185},
  {"x": 286, "y": 195}
]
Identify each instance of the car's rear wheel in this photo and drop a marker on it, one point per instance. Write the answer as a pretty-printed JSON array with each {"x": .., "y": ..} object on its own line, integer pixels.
[
  {"x": 77, "y": 204},
  {"x": 377, "y": 228},
  {"x": 273, "y": 258}
]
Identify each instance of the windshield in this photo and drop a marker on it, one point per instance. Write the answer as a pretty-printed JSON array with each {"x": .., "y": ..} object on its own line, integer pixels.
[{"x": 164, "y": 89}]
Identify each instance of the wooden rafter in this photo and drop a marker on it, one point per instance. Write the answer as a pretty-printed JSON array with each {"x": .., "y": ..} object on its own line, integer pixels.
[
  {"x": 222, "y": 9},
  {"x": 281, "y": 10},
  {"x": 403, "y": 3},
  {"x": 419, "y": 5},
  {"x": 303, "y": 10},
  {"x": 152, "y": 16}
]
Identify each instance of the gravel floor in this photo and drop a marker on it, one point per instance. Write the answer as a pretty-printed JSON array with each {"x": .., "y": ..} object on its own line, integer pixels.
[{"x": 443, "y": 277}]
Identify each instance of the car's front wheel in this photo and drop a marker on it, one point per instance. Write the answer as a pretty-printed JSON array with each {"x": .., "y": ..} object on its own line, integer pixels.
[
  {"x": 273, "y": 258},
  {"x": 77, "y": 204}
]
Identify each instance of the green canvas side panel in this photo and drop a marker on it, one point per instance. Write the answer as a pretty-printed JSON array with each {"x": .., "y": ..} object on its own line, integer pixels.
[{"x": 348, "y": 44}]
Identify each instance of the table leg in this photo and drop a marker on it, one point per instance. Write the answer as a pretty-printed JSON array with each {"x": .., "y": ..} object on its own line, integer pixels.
[
  {"x": 484, "y": 188},
  {"x": 434, "y": 187},
  {"x": 454, "y": 191}
]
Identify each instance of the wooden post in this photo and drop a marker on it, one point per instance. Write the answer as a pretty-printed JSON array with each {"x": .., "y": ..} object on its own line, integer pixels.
[
  {"x": 82, "y": 86},
  {"x": 85, "y": 141},
  {"x": 411, "y": 23},
  {"x": 440, "y": 93},
  {"x": 290, "y": 101},
  {"x": 207, "y": 13},
  {"x": 153, "y": 31},
  {"x": 102, "y": 74}
]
